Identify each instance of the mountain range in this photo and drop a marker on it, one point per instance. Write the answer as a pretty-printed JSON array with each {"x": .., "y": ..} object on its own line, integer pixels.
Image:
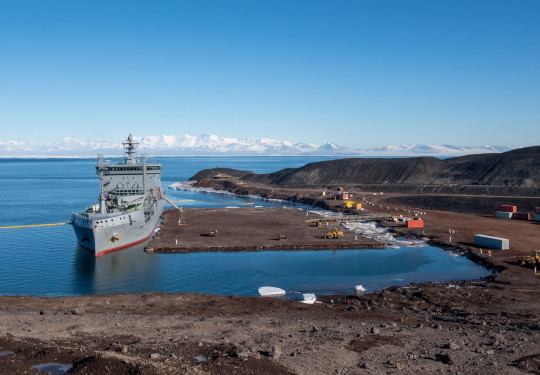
[{"x": 214, "y": 145}]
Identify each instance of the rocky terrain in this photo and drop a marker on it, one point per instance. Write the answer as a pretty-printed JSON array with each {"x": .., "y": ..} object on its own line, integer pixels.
[
  {"x": 515, "y": 172},
  {"x": 472, "y": 204},
  {"x": 467, "y": 328}
]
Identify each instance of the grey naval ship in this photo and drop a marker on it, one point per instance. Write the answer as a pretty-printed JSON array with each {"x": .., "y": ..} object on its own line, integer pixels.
[{"x": 130, "y": 204}]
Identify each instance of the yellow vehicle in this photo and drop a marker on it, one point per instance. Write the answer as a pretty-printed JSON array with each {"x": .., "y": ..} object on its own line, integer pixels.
[
  {"x": 335, "y": 233},
  {"x": 532, "y": 260}
]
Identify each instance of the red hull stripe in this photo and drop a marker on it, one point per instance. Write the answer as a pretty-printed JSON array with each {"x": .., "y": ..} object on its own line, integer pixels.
[{"x": 127, "y": 245}]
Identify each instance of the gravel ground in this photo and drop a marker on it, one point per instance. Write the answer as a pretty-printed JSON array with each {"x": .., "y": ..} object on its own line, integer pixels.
[
  {"x": 252, "y": 229},
  {"x": 458, "y": 328}
]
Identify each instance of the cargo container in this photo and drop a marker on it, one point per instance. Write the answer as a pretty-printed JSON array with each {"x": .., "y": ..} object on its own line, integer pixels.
[
  {"x": 522, "y": 216},
  {"x": 537, "y": 217},
  {"x": 497, "y": 243},
  {"x": 342, "y": 196},
  {"x": 415, "y": 223},
  {"x": 507, "y": 208},
  {"x": 504, "y": 215},
  {"x": 537, "y": 211}
]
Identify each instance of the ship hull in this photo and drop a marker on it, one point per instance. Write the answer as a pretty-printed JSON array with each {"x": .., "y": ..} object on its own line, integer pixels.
[{"x": 103, "y": 238}]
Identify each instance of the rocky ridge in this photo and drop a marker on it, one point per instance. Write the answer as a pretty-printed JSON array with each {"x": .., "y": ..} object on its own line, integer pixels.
[{"x": 515, "y": 172}]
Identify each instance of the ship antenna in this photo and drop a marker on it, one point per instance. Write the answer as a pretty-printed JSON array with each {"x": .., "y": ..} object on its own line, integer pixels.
[{"x": 130, "y": 145}]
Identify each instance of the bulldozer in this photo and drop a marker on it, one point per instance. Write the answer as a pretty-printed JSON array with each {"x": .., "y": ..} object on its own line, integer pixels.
[
  {"x": 335, "y": 233},
  {"x": 532, "y": 260}
]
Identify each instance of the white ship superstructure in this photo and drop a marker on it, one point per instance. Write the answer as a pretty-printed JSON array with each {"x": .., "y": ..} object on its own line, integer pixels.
[{"x": 130, "y": 204}]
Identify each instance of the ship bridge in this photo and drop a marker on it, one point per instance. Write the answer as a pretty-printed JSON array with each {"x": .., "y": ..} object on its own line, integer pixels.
[{"x": 122, "y": 169}]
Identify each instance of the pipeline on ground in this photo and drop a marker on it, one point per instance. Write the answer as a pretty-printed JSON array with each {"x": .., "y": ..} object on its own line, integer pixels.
[
  {"x": 34, "y": 225},
  {"x": 199, "y": 200}
]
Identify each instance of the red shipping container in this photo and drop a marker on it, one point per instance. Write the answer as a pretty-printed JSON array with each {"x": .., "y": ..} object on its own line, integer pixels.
[
  {"x": 507, "y": 208},
  {"x": 522, "y": 216},
  {"x": 415, "y": 223}
]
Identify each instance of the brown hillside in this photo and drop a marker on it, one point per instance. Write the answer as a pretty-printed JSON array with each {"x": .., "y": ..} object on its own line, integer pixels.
[{"x": 514, "y": 172}]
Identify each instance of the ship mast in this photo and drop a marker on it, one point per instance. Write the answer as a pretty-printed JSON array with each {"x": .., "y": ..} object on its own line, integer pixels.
[
  {"x": 130, "y": 145},
  {"x": 102, "y": 204}
]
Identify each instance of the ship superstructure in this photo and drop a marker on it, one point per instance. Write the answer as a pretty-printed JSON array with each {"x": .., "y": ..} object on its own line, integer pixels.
[{"x": 130, "y": 204}]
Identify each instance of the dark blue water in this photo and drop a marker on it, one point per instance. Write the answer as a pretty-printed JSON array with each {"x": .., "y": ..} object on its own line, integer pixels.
[{"x": 46, "y": 261}]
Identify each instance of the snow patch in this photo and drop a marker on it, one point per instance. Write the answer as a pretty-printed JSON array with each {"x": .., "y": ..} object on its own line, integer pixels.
[{"x": 374, "y": 231}]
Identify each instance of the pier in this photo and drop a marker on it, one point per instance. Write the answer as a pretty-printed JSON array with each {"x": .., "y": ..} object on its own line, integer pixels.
[{"x": 250, "y": 229}]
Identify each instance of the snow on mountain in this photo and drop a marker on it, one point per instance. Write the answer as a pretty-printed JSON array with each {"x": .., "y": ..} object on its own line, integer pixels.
[
  {"x": 210, "y": 144},
  {"x": 332, "y": 149},
  {"x": 432, "y": 150}
]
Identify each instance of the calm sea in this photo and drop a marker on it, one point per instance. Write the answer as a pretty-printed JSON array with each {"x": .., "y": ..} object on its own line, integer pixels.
[{"x": 46, "y": 261}]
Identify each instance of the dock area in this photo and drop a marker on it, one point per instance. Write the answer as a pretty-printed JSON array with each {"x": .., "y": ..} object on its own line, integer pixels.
[{"x": 249, "y": 229}]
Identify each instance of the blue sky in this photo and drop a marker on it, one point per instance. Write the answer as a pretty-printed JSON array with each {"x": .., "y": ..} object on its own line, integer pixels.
[{"x": 358, "y": 73}]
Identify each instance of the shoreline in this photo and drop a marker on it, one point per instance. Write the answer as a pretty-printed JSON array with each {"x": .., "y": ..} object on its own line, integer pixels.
[
  {"x": 181, "y": 250},
  {"x": 465, "y": 327},
  {"x": 318, "y": 203},
  {"x": 312, "y": 197},
  {"x": 448, "y": 246}
]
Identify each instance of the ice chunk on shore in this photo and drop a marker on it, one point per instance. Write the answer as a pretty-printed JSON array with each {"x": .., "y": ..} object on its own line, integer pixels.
[
  {"x": 267, "y": 291},
  {"x": 359, "y": 289},
  {"x": 309, "y": 298}
]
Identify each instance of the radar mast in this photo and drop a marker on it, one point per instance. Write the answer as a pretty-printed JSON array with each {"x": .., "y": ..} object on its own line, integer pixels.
[{"x": 130, "y": 145}]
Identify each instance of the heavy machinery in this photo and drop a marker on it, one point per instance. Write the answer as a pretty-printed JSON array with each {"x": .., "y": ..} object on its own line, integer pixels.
[
  {"x": 335, "y": 233},
  {"x": 532, "y": 260}
]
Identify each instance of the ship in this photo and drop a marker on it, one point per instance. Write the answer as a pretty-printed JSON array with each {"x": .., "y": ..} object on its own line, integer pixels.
[{"x": 130, "y": 204}]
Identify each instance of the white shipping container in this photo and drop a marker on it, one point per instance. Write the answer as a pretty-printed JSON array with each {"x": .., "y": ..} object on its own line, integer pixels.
[
  {"x": 537, "y": 217},
  {"x": 491, "y": 242},
  {"x": 504, "y": 215}
]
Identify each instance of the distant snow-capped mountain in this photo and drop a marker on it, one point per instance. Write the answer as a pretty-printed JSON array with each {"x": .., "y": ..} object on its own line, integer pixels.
[
  {"x": 331, "y": 148},
  {"x": 210, "y": 144},
  {"x": 429, "y": 150}
]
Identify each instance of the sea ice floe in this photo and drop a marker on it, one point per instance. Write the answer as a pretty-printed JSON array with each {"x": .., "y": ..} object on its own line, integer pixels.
[{"x": 269, "y": 291}]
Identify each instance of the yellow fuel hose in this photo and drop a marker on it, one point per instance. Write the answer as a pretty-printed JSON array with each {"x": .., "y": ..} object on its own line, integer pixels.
[{"x": 34, "y": 225}]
